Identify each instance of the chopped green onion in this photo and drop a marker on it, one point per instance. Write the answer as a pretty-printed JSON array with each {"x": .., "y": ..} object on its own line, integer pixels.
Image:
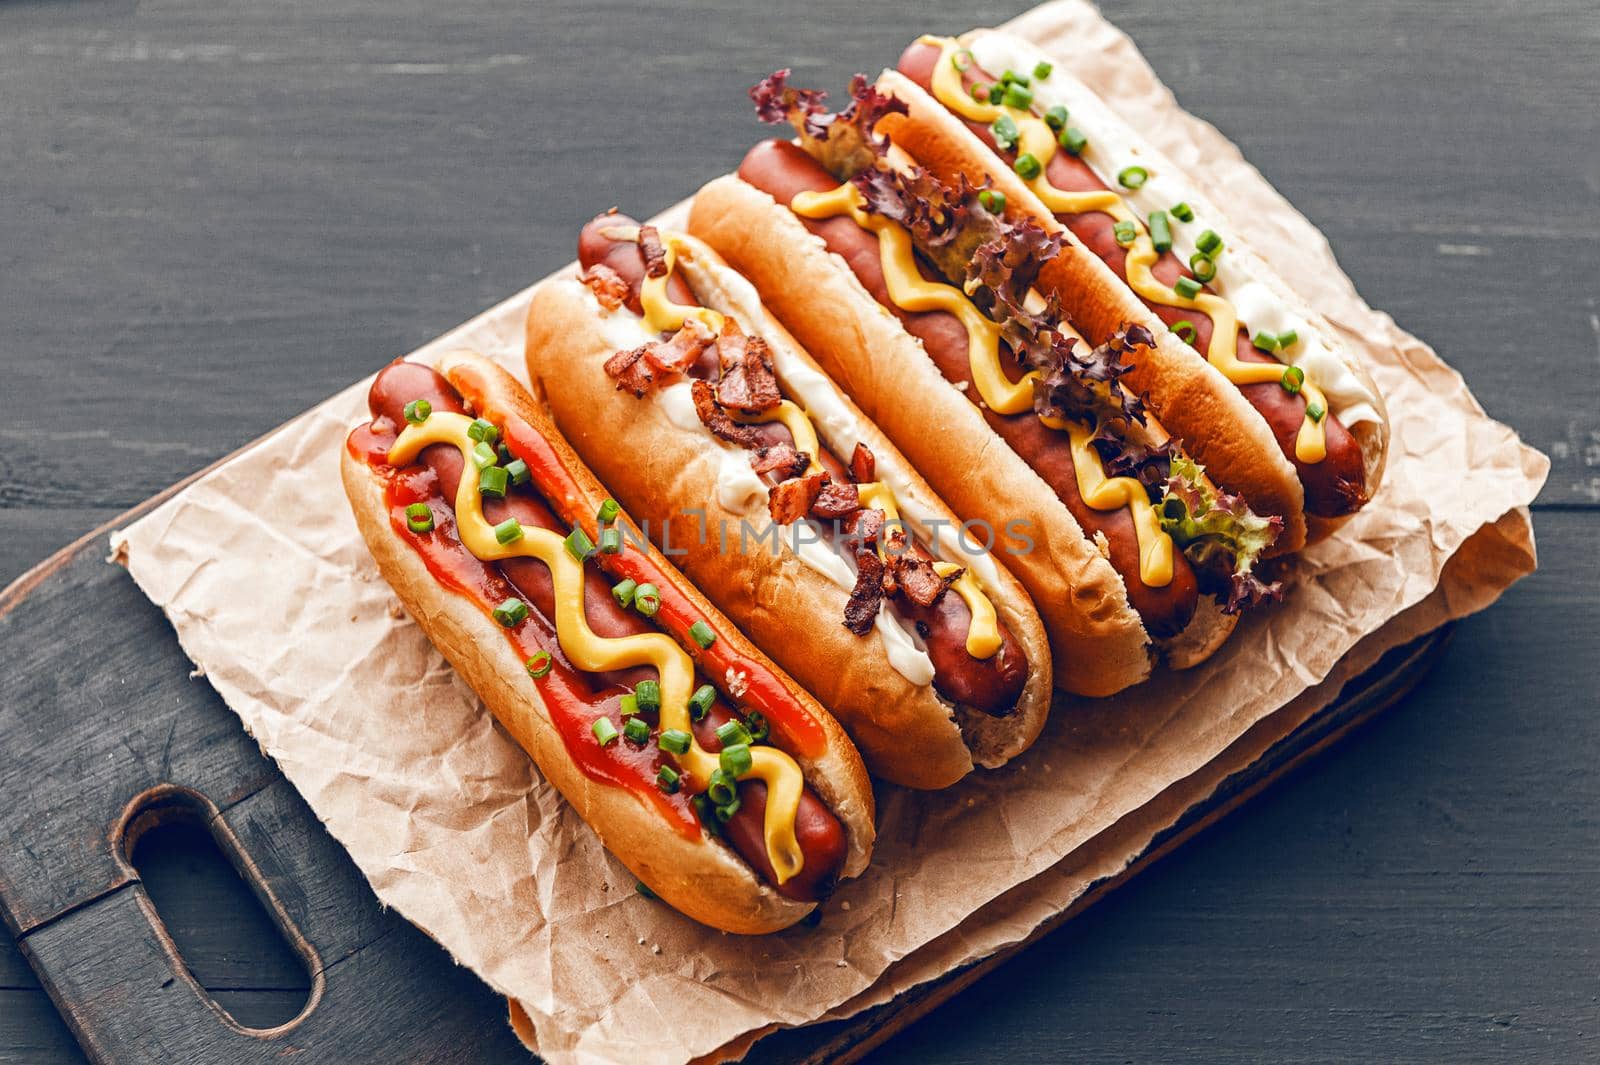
[
  {"x": 611, "y": 541},
  {"x": 732, "y": 733},
  {"x": 700, "y": 702},
  {"x": 667, "y": 779},
  {"x": 645, "y": 891},
  {"x": 997, "y": 92},
  {"x": 993, "y": 201},
  {"x": 674, "y": 740},
  {"x": 735, "y": 760},
  {"x": 1042, "y": 70},
  {"x": 1011, "y": 77},
  {"x": 647, "y": 600},
  {"x": 628, "y": 705},
  {"x": 417, "y": 411},
  {"x": 1187, "y": 287},
  {"x": 648, "y": 693},
  {"x": 1126, "y": 232},
  {"x": 1182, "y": 212},
  {"x": 1209, "y": 243},
  {"x": 579, "y": 546},
  {"x": 1293, "y": 377},
  {"x": 962, "y": 59},
  {"x": 756, "y": 722},
  {"x": 608, "y": 512},
  {"x": 1056, "y": 118},
  {"x": 1019, "y": 96},
  {"x": 483, "y": 456},
  {"x": 517, "y": 470},
  {"x": 622, "y": 592},
  {"x": 1004, "y": 131},
  {"x": 419, "y": 518},
  {"x": 1132, "y": 177},
  {"x": 702, "y": 634},
  {"x": 483, "y": 431},
  {"x": 725, "y": 813},
  {"x": 1316, "y": 411},
  {"x": 721, "y": 789},
  {"x": 1073, "y": 140},
  {"x": 1204, "y": 269},
  {"x": 1160, "y": 231},
  {"x": 1288, "y": 339},
  {"x": 508, "y": 531},
  {"x": 540, "y": 664},
  {"x": 604, "y": 731},
  {"x": 1027, "y": 165},
  {"x": 492, "y": 481},
  {"x": 511, "y": 612},
  {"x": 636, "y": 730},
  {"x": 1265, "y": 342},
  {"x": 980, "y": 92},
  {"x": 504, "y": 453},
  {"x": 1185, "y": 330}
]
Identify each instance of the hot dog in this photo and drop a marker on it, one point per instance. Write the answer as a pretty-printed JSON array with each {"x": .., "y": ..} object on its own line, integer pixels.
[
  {"x": 972, "y": 359},
  {"x": 787, "y": 506},
  {"x": 717, "y": 781},
  {"x": 1090, "y": 175}
]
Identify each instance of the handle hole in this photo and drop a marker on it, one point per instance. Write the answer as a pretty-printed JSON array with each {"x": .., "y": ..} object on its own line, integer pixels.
[{"x": 219, "y": 930}]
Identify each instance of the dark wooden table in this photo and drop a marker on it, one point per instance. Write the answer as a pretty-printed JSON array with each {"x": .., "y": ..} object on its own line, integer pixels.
[{"x": 212, "y": 215}]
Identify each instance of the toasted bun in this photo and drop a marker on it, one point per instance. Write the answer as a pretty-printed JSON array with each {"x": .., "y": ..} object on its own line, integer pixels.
[
  {"x": 701, "y": 877},
  {"x": 907, "y": 733}
]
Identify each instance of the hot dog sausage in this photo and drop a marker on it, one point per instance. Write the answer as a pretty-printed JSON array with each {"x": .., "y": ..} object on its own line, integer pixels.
[
  {"x": 992, "y": 685},
  {"x": 1334, "y": 486},
  {"x": 783, "y": 170},
  {"x": 820, "y": 834}
]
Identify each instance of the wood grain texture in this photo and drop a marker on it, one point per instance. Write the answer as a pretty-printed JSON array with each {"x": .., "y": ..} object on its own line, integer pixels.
[{"x": 214, "y": 214}]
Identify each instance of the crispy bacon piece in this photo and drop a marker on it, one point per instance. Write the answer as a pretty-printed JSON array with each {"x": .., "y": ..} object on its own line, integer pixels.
[
  {"x": 748, "y": 382},
  {"x": 632, "y": 371},
  {"x": 716, "y": 419},
  {"x": 678, "y": 352},
  {"x": 862, "y": 607},
  {"x": 780, "y": 459},
  {"x": 789, "y": 501},
  {"x": 863, "y": 466},
  {"x": 607, "y": 286},
  {"x": 836, "y": 501},
  {"x": 655, "y": 256},
  {"x": 865, "y": 526},
  {"x": 918, "y": 580}
]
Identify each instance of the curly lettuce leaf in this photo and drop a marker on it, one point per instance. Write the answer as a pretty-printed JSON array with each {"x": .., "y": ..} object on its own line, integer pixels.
[
  {"x": 1220, "y": 535},
  {"x": 844, "y": 143}
]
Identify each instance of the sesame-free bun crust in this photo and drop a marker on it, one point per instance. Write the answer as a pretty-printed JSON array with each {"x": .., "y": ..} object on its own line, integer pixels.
[
  {"x": 700, "y": 877},
  {"x": 1100, "y": 643},
  {"x": 907, "y": 733}
]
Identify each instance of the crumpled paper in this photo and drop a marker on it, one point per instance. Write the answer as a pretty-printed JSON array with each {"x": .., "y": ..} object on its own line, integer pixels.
[{"x": 444, "y": 815}]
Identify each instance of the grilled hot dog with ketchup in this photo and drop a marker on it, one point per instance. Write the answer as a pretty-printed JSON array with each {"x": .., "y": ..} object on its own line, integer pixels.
[
  {"x": 928, "y": 652},
  {"x": 1144, "y": 557},
  {"x": 667, "y": 730},
  {"x": 1127, "y": 185}
]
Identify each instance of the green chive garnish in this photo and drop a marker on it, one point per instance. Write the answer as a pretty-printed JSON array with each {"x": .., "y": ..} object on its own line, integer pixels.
[
  {"x": 722, "y": 789},
  {"x": 578, "y": 544},
  {"x": 1293, "y": 377},
  {"x": 636, "y": 730},
  {"x": 1204, "y": 269},
  {"x": 1018, "y": 96},
  {"x": 1185, "y": 330},
  {"x": 1160, "y": 231},
  {"x": 701, "y": 701},
  {"x": 1187, "y": 287},
  {"x": 517, "y": 470},
  {"x": 604, "y": 731},
  {"x": 648, "y": 694},
  {"x": 997, "y": 92},
  {"x": 508, "y": 531},
  {"x": 647, "y": 600},
  {"x": 1288, "y": 339},
  {"x": 417, "y": 411},
  {"x": 511, "y": 612},
  {"x": 1056, "y": 118},
  {"x": 725, "y": 813},
  {"x": 622, "y": 592},
  {"x": 419, "y": 518},
  {"x": 611, "y": 541},
  {"x": 483, "y": 431},
  {"x": 1011, "y": 77},
  {"x": 993, "y": 201},
  {"x": 608, "y": 512},
  {"x": 702, "y": 634},
  {"x": 1042, "y": 71},
  {"x": 1209, "y": 243},
  {"x": 539, "y": 665},
  {"x": 628, "y": 705},
  {"x": 483, "y": 456},
  {"x": 1132, "y": 177},
  {"x": 756, "y": 722},
  {"x": 674, "y": 740},
  {"x": 1126, "y": 232},
  {"x": 980, "y": 92},
  {"x": 1004, "y": 131},
  {"x": 735, "y": 760},
  {"x": 1073, "y": 140},
  {"x": 962, "y": 59},
  {"x": 1316, "y": 411},
  {"x": 492, "y": 481},
  {"x": 1182, "y": 212},
  {"x": 733, "y": 733},
  {"x": 1265, "y": 342},
  {"x": 1027, "y": 165},
  {"x": 667, "y": 779}
]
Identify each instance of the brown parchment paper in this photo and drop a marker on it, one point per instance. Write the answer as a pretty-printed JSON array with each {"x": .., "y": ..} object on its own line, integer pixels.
[{"x": 444, "y": 816}]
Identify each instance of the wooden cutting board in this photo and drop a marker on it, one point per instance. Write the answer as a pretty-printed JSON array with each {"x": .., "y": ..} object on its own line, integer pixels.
[{"x": 106, "y": 733}]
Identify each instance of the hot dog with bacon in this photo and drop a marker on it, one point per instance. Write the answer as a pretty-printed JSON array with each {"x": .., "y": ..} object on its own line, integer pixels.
[
  {"x": 923, "y": 303},
  {"x": 787, "y": 506},
  {"x": 994, "y": 108},
  {"x": 719, "y": 783}
]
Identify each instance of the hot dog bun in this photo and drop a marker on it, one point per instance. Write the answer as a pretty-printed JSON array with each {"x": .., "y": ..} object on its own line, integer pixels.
[
  {"x": 1192, "y": 397},
  {"x": 702, "y": 877},
  {"x": 662, "y": 467},
  {"x": 1100, "y": 643}
]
